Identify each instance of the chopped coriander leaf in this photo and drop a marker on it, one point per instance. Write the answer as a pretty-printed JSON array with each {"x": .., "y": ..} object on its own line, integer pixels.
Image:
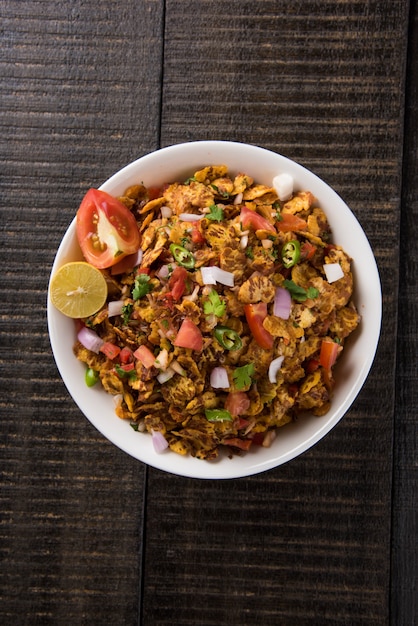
[
  {"x": 134, "y": 425},
  {"x": 298, "y": 293},
  {"x": 216, "y": 213},
  {"x": 192, "y": 179},
  {"x": 126, "y": 312},
  {"x": 142, "y": 286},
  {"x": 242, "y": 376},
  {"x": 214, "y": 305},
  {"x": 249, "y": 252}
]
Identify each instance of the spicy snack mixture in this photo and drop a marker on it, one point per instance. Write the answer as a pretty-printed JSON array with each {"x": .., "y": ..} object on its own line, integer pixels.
[{"x": 226, "y": 323}]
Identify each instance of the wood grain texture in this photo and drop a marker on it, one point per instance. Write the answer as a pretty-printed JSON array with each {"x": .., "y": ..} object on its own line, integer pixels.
[
  {"x": 80, "y": 97},
  {"x": 405, "y": 503}
]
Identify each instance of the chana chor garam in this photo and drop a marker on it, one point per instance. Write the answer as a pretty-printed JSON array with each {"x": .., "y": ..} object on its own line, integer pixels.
[{"x": 228, "y": 306}]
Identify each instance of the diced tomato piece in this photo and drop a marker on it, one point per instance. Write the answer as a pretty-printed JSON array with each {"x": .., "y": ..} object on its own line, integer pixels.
[
  {"x": 255, "y": 315},
  {"x": 177, "y": 283},
  {"x": 329, "y": 352},
  {"x": 126, "y": 355},
  {"x": 257, "y": 222},
  {"x": 290, "y": 223},
  {"x": 189, "y": 336},
  {"x": 236, "y": 442},
  {"x": 237, "y": 402},
  {"x": 127, "y": 367},
  {"x": 145, "y": 356},
  {"x": 143, "y": 270},
  {"x": 307, "y": 250},
  {"x": 110, "y": 350},
  {"x": 197, "y": 236}
]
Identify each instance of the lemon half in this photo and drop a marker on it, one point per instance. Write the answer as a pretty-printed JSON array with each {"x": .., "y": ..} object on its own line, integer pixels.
[{"x": 78, "y": 289}]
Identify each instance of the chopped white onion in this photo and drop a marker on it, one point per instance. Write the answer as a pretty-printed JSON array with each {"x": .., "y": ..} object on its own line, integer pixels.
[
  {"x": 267, "y": 243},
  {"x": 219, "y": 378},
  {"x": 115, "y": 308},
  {"x": 244, "y": 241},
  {"x": 283, "y": 184},
  {"x": 165, "y": 375},
  {"x": 213, "y": 274},
  {"x": 166, "y": 211},
  {"x": 193, "y": 296},
  {"x": 274, "y": 367},
  {"x": 190, "y": 217},
  {"x": 333, "y": 272},
  {"x": 90, "y": 340},
  {"x": 117, "y": 400},
  {"x": 269, "y": 437},
  {"x": 163, "y": 272},
  {"x": 238, "y": 198},
  {"x": 175, "y": 365},
  {"x": 161, "y": 361},
  {"x": 159, "y": 442},
  {"x": 282, "y": 303}
]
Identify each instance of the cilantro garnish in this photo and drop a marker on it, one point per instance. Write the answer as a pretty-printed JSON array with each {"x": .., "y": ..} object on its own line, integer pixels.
[
  {"x": 216, "y": 213},
  {"x": 134, "y": 425},
  {"x": 298, "y": 293},
  {"x": 142, "y": 286},
  {"x": 249, "y": 253},
  {"x": 242, "y": 376},
  {"x": 126, "y": 312},
  {"x": 214, "y": 305}
]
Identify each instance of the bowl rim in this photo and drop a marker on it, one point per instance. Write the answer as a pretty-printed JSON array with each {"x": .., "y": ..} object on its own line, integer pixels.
[{"x": 254, "y": 462}]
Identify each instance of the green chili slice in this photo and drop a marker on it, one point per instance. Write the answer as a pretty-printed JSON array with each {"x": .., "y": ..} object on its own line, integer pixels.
[
  {"x": 182, "y": 256},
  {"x": 218, "y": 415},
  {"x": 291, "y": 253},
  {"x": 228, "y": 338}
]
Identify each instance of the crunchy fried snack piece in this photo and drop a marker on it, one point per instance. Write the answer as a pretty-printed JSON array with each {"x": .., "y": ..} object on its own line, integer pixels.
[
  {"x": 257, "y": 288},
  {"x": 188, "y": 359}
]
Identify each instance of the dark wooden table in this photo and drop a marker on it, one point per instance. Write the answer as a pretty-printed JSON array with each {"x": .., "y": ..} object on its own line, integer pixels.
[{"x": 89, "y": 535}]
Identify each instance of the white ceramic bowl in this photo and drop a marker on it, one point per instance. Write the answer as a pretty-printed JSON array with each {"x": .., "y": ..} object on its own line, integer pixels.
[{"x": 177, "y": 163}]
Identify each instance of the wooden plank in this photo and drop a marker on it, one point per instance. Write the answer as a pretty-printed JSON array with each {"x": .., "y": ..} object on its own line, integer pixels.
[
  {"x": 405, "y": 508},
  {"x": 80, "y": 98},
  {"x": 310, "y": 541}
]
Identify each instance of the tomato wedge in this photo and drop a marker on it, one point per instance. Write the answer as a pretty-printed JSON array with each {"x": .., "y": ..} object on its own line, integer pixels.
[
  {"x": 329, "y": 352},
  {"x": 106, "y": 229},
  {"x": 189, "y": 336},
  {"x": 290, "y": 223},
  {"x": 255, "y": 315},
  {"x": 257, "y": 222}
]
